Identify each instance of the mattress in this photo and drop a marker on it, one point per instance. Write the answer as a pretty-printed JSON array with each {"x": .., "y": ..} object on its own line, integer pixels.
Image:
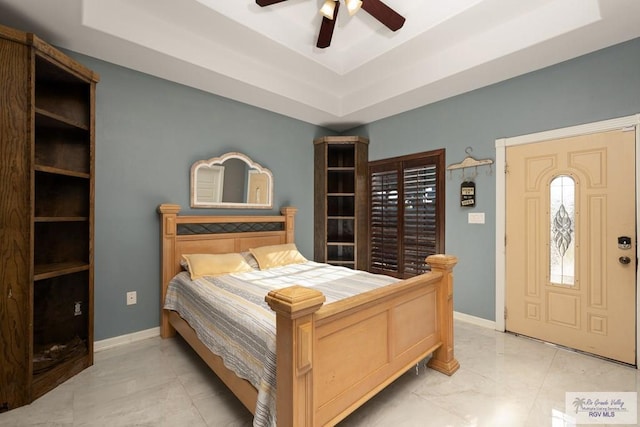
[{"x": 230, "y": 316}]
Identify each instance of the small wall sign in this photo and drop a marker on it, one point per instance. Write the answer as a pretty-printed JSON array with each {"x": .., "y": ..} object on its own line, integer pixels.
[{"x": 468, "y": 194}]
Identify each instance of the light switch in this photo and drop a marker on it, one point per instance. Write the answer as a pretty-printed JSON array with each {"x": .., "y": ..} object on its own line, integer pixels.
[{"x": 476, "y": 217}]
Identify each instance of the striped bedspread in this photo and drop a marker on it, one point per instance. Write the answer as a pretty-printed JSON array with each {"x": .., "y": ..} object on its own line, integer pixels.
[{"x": 232, "y": 319}]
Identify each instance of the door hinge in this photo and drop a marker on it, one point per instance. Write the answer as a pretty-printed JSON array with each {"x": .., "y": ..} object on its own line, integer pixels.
[
  {"x": 506, "y": 168},
  {"x": 505, "y": 313}
]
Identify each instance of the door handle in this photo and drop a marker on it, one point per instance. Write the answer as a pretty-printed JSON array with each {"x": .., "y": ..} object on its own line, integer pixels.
[{"x": 624, "y": 260}]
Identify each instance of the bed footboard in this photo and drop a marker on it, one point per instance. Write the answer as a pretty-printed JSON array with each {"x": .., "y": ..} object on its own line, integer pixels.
[{"x": 331, "y": 359}]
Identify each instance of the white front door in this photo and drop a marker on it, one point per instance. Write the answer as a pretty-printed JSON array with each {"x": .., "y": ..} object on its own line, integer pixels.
[{"x": 570, "y": 213}]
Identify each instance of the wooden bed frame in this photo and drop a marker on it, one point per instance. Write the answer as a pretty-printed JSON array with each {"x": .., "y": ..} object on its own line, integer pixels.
[{"x": 330, "y": 358}]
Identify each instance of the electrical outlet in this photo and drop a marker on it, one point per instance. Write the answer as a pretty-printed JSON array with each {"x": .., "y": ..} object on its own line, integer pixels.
[{"x": 132, "y": 298}]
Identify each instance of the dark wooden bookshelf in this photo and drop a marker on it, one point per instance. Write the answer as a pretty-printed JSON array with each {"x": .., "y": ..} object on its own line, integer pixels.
[
  {"x": 47, "y": 137},
  {"x": 341, "y": 201}
]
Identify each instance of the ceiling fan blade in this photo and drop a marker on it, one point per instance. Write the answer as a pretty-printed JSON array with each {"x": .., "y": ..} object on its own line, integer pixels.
[
  {"x": 264, "y": 3},
  {"x": 383, "y": 13},
  {"x": 326, "y": 29}
]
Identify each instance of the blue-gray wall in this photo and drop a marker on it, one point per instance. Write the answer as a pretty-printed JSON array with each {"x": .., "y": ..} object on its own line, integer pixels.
[
  {"x": 148, "y": 134},
  {"x": 599, "y": 86},
  {"x": 150, "y": 131}
]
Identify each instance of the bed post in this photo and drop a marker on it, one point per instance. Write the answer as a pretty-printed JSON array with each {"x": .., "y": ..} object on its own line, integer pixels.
[
  {"x": 443, "y": 359},
  {"x": 294, "y": 307},
  {"x": 290, "y": 214},
  {"x": 168, "y": 231}
]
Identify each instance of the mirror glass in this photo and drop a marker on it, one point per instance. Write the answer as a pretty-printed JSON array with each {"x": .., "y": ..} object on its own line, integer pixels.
[{"x": 232, "y": 180}]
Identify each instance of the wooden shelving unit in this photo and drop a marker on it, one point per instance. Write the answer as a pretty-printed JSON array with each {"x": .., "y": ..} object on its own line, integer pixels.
[
  {"x": 341, "y": 201},
  {"x": 47, "y": 122}
]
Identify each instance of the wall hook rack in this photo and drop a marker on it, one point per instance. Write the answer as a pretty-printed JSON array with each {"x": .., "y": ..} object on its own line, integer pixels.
[{"x": 470, "y": 162}]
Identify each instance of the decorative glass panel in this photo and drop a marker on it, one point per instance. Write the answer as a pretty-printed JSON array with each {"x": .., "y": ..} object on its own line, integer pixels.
[{"x": 562, "y": 243}]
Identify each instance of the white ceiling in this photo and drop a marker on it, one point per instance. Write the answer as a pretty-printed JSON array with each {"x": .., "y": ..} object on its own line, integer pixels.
[{"x": 267, "y": 56}]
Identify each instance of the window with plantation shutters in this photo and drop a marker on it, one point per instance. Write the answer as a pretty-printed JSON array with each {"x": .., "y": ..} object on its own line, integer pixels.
[
  {"x": 406, "y": 220},
  {"x": 383, "y": 221}
]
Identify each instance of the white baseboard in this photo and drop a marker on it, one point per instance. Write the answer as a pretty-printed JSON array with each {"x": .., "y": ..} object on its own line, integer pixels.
[
  {"x": 478, "y": 321},
  {"x": 154, "y": 332},
  {"x": 125, "y": 339}
]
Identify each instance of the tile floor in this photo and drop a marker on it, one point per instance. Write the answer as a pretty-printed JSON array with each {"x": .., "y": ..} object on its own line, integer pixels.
[{"x": 504, "y": 380}]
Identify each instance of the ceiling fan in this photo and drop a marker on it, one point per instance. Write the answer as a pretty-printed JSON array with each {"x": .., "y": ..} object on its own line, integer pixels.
[{"x": 329, "y": 11}]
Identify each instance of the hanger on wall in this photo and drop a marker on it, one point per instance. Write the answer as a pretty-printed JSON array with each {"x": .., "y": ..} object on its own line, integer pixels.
[{"x": 470, "y": 162}]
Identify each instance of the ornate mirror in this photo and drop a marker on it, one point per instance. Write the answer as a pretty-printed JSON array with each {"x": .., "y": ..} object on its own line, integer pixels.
[{"x": 232, "y": 180}]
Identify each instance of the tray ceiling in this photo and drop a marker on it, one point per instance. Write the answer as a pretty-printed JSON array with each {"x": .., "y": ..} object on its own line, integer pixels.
[{"x": 267, "y": 57}]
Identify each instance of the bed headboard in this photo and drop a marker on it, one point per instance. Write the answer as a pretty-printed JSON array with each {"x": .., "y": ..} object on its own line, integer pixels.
[{"x": 214, "y": 234}]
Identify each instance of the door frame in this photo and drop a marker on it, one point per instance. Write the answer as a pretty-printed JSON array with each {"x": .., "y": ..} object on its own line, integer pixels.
[{"x": 501, "y": 148}]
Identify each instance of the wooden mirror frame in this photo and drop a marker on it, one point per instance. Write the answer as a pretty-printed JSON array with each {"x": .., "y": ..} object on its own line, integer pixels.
[{"x": 216, "y": 164}]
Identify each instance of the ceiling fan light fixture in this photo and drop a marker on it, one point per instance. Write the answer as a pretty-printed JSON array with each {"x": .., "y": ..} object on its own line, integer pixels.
[
  {"x": 353, "y": 6},
  {"x": 328, "y": 8}
]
